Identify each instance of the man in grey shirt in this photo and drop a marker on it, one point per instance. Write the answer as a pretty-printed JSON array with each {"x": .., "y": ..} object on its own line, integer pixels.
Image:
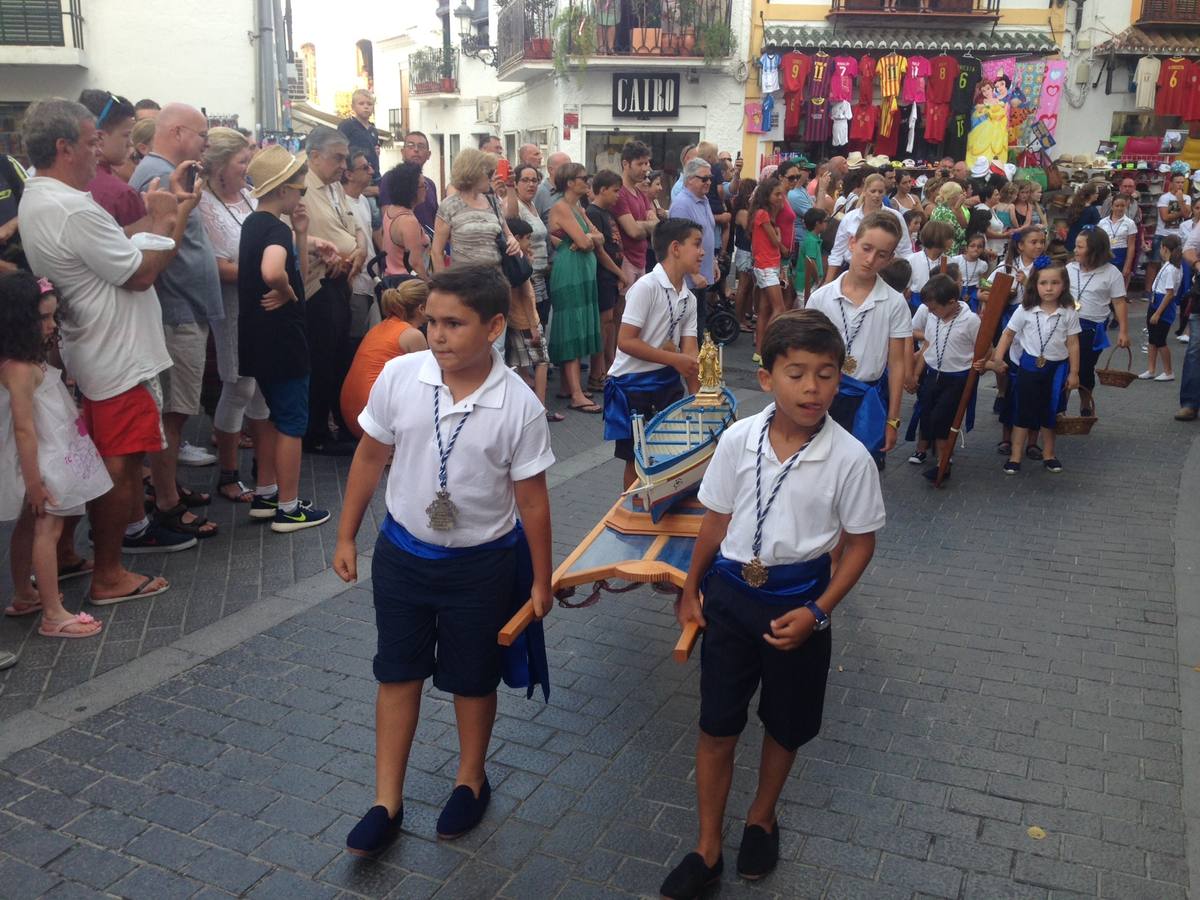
[
  {"x": 546, "y": 195},
  {"x": 189, "y": 290}
]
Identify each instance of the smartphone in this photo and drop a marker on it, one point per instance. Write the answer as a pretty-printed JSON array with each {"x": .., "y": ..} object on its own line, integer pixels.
[
  {"x": 189, "y": 179},
  {"x": 502, "y": 169}
]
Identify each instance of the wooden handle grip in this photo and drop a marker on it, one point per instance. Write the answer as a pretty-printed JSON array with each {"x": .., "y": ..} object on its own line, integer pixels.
[
  {"x": 519, "y": 622},
  {"x": 687, "y": 640}
]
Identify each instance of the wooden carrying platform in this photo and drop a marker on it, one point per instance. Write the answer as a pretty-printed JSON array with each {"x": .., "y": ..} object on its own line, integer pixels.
[{"x": 627, "y": 545}]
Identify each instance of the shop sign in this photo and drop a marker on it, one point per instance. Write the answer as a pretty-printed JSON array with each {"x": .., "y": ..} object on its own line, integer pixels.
[{"x": 645, "y": 96}]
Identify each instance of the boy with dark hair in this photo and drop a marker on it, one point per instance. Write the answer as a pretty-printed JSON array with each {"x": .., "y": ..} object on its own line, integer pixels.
[
  {"x": 897, "y": 274},
  {"x": 114, "y": 120},
  {"x": 780, "y": 492},
  {"x": 469, "y": 446},
  {"x": 525, "y": 348},
  {"x": 610, "y": 280},
  {"x": 815, "y": 223},
  {"x": 634, "y": 211},
  {"x": 875, "y": 324},
  {"x": 657, "y": 344}
]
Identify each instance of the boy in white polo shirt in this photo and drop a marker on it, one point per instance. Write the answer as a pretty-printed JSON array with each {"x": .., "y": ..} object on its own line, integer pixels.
[
  {"x": 656, "y": 346},
  {"x": 470, "y": 446},
  {"x": 781, "y": 490},
  {"x": 875, "y": 323}
]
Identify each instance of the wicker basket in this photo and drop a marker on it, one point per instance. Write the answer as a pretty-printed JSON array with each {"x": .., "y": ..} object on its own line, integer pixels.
[
  {"x": 1077, "y": 425},
  {"x": 1121, "y": 378}
]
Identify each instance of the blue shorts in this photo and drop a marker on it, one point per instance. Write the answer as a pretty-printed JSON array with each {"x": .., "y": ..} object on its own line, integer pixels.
[
  {"x": 287, "y": 402},
  {"x": 440, "y": 617},
  {"x": 735, "y": 660}
]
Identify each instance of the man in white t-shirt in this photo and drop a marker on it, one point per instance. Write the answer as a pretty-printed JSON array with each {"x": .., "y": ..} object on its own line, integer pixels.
[
  {"x": 357, "y": 178},
  {"x": 113, "y": 343}
]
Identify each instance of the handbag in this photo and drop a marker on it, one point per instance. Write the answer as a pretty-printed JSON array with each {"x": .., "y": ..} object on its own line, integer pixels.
[{"x": 517, "y": 269}]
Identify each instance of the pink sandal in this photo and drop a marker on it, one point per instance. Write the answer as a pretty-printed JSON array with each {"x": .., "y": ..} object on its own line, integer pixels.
[
  {"x": 59, "y": 629},
  {"x": 25, "y": 609}
]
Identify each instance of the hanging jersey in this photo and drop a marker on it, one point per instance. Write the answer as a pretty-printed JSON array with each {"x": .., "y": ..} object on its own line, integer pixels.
[
  {"x": 1191, "y": 105},
  {"x": 914, "y": 80},
  {"x": 962, "y": 98},
  {"x": 937, "y": 116},
  {"x": 817, "y": 124},
  {"x": 891, "y": 70},
  {"x": 866, "y": 80},
  {"x": 863, "y": 122},
  {"x": 840, "y": 114},
  {"x": 820, "y": 76},
  {"x": 943, "y": 74},
  {"x": 768, "y": 114},
  {"x": 1145, "y": 79},
  {"x": 1172, "y": 83},
  {"x": 954, "y": 143},
  {"x": 794, "y": 117},
  {"x": 796, "y": 67},
  {"x": 888, "y": 114},
  {"x": 769, "y": 72},
  {"x": 889, "y": 144},
  {"x": 841, "y": 87}
]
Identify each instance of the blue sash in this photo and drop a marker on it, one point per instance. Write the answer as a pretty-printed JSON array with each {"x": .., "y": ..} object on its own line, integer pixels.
[
  {"x": 914, "y": 301},
  {"x": 930, "y": 372},
  {"x": 1168, "y": 316},
  {"x": 790, "y": 585},
  {"x": 870, "y": 419},
  {"x": 1185, "y": 283},
  {"x": 1095, "y": 334},
  {"x": 616, "y": 398},
  {"x": 1056, "y": 401},
  {"x": 524, "y": 664},
  {"x": 1006, "y": 316},
  {"x": 1118, "y": 256},
  {"x": 970, "y": 296}
]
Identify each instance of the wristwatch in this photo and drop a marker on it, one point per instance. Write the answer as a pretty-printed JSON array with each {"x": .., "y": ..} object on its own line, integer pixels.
[
  {"x": 895, "y": 423},
  {"x": 818, "y": 614}
]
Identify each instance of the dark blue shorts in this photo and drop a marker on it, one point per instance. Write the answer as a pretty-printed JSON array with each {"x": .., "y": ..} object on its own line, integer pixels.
[
  {"x": 735, "y": 660},
  {"x": 649, "y": 404},
  {"x": 441, "y": 617},
  {"x": 287, "y": 401}
]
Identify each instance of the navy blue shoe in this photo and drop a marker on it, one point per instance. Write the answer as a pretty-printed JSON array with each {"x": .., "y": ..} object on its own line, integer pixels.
[
  {"x": 691, "y": 878},
  {"x": 374, "y": 832},
  {"x": 463, "y": 811}
]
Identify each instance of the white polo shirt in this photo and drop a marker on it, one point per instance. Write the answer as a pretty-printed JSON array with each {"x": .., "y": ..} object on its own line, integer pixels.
[
  {"x": 1168, "y": 278},
  {"x": 840, "y": 254},
  {"x": 506, "y": 439},
  {"x": 112, "y": 337},
  {"x": 923, "y": 268},
  {"x": 884, "y": 315},
  {"x": 834, "y": 486},
  {"x": 970, "y": 269},
  {"x": 649, "y": 303},
  {"x": 1095, "y": 291},
  {"x": 1119, "y": 232},
  {"x": 1034, "y": 328},
  {"x": 954, "y": 339}
]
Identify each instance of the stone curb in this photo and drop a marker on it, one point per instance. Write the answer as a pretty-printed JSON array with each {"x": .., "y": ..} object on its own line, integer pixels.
[{"x": 1187, "y": 599}]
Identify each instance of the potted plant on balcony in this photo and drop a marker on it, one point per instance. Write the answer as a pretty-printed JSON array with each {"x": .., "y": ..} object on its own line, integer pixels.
[
  {"x": 716, "y": 42},
  {"x": 574, "y": 38},
  {"x": 646, "y": 36},
  {"x": 537, "y": 15}
]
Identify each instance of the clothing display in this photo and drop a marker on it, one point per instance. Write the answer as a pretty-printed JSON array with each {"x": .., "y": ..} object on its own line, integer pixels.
[
  {"x": 866, "y": 79},
  {"x": 1172, "y": 84},
  {"x": 796, "y": 67},
  {"x": 1145, "y": 78},
  {"x": 863, "y": 122},
  {"x": 841, "y": 114},
  {"x": 841, "y": 88},
  {"x": 943, "y": 74},
  {"x": 769, "y": 72},
  {"x": 918, "y": 70}
]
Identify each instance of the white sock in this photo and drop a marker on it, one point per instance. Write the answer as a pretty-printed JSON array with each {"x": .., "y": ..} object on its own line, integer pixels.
[
  {"x": 291, "y": 506},
  {"x": 136, "y": 528},
  {"x": 266, "y": 490}
]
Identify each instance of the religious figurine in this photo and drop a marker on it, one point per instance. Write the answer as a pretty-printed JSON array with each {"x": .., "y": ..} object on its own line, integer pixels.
[{"x": 711, "y": 375}]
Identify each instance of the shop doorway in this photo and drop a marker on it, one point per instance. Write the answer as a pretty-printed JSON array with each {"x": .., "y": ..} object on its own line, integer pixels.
[{"x": 603, "y": 150}]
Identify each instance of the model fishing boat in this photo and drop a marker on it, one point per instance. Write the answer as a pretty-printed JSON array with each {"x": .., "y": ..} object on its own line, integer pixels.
[{"x": 671, "y": 452}]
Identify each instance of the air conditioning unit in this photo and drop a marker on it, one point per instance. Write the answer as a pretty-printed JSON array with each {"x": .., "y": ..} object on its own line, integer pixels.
[{"x": 487, "y": 109}]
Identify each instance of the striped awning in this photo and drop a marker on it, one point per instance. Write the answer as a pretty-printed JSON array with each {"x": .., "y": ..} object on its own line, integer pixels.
[
  {"x": 1135, "y": 42},
  {"x": 805, "y": 37}
]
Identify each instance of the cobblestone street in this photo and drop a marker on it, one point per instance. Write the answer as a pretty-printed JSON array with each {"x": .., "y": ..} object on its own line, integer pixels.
[{"x": 1009, "y": 714}]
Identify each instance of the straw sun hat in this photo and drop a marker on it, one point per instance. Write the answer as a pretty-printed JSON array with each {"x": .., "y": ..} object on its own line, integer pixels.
[{"x": 272, "y": 167}]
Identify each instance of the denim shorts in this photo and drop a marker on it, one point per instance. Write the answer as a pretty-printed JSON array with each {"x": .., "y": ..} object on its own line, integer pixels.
[{"x": 287, "y": 401}]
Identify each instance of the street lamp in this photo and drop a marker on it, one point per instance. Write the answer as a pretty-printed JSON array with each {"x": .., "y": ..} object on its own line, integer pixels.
[{"x": 468, "y": 37}]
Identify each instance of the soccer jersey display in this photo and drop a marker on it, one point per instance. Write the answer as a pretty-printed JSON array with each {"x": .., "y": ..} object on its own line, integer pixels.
[
  {"x": 841, "y": 87},
  {"x": 866, "y": 80},
  {"x": 1172, "y": 85},
  {"x": 914, "y": 80},
  {"x": 962, "y": 98},
  {"x": 796, "y": 67},
  {"x": 943, "y": 74},
  {"x": 769, "y": 72}
]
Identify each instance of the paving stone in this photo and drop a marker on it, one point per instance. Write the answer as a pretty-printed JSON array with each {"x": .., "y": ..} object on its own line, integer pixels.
[
  {"x": 24, "y": 880},
  {"x": 227, "y": 870},
  {"x": 234, "y": 832},
  {"x": 106, "y": 827},
  {"x": 96, "y": 868},
  {"x": 34, "y": 844},
  {"x": 295, "y": 852},
  {"x": 148, "y": 883}
]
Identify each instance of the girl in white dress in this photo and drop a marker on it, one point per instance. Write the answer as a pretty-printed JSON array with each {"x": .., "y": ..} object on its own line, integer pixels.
[{"x": 49, "y": 467}]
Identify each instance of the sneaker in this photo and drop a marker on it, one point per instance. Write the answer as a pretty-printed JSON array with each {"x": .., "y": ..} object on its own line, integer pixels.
[
  {"x": 263, "y": 507},
  {"x": 191, "y": 455},
  {"x": 691, "y": 877},
  {"x": 1052, "y": 465},
  {"x": 157, "y": 539},
  {"x": 1165, "y": 376},
  {"x": 303, "y": 516},
  {"x": 759, "y": 852},
  {"x": 1146, "y": 376},
  {"x": 918, "y": 457},
  {"x": 1012, "y": 468},
  {"x": 1186, "y": 414},
  {"x": 1182, "y": 338}
]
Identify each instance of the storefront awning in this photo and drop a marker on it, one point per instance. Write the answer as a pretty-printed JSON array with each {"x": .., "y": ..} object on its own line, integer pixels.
[
  {"x": 1135, "y": 42},
  {"x": 803, "y": 37},
  {"x": 308, "y": 117}
]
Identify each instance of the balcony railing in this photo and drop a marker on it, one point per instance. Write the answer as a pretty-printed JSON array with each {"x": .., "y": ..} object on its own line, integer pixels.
[
  {"x": 920, "y": 9},
  {"x": 571, "y": 31},
  {"x": 427, "y": 73},
  {"x": 41, "y": 23},
  {"x": 1184, "y": 13}
]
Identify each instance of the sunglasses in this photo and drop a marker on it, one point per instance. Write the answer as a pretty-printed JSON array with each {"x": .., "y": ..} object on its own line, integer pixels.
[{"x": 705, "y": 178}]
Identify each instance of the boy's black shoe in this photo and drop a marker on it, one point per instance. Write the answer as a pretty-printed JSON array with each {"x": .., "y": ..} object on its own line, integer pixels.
[
  {"x": 918, "y": 457},
  {"x": 1012, "y": 468},
  {"x": 689, "y": 879},
  {"x": 374, "y": 832},
  {"x": 759, "y": 852},
  {"x": 1052, "y": 465},
  {"x": 463, "y": 811}
]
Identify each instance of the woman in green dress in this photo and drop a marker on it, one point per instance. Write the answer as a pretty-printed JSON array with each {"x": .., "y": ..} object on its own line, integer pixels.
[{"x": 575, "y": 326}]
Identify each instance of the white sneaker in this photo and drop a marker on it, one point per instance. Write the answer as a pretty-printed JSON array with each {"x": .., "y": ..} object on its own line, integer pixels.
[
  {"x": 191, "y": 455},
  {"x": 1183, "y": 338},
  {"x": 1165, "y": 376},
  {"x": 1146, "y": 376}
]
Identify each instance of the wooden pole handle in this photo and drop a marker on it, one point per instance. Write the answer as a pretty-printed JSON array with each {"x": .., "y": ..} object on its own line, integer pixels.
[
  {"x": 687, "y": 640},
  {"x": 523, "y": 618}
]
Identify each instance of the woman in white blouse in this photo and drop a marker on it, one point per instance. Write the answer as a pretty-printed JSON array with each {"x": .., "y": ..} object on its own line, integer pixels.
[{"x": 1122, "y": 235}]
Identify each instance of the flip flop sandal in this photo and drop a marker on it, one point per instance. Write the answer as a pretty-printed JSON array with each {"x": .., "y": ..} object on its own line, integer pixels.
[
  {"x": 568, "y": 396},
  {"x": 15, "y": 612},
  {"x": 59, "y": 629},
  {"x": 1004, "y": 447},
  {"x": 589, "y": 408},
  {"x": 138, "y": 593},
  {"x": 74, "y": 570},
  {"x": 555, "y": 416},
  {"x": 172, "y": 519}
]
